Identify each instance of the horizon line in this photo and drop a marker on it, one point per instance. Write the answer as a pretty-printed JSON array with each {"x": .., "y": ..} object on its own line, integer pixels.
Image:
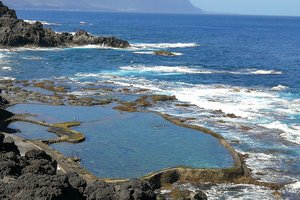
[{"x": 153, "y": 13}]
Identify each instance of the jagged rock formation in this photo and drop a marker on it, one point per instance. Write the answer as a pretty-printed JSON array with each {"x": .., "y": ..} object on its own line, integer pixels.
[{"x": 18, "y": 33}]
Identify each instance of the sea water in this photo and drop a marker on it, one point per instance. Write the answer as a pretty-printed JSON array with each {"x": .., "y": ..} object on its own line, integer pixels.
[{"x": 248, "y": 66}]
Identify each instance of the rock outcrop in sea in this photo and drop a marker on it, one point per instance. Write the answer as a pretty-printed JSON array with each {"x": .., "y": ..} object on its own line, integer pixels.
[{"x": 15, "y": 32}]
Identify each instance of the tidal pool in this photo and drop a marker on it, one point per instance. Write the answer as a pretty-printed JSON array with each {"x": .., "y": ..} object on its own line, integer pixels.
[{"x": 127, "y": 145}]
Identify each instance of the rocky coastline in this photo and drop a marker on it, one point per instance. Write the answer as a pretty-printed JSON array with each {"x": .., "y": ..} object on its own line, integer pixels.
[
  {"x": 17, "y": 93},
  {"x": 16, "y": 32}
]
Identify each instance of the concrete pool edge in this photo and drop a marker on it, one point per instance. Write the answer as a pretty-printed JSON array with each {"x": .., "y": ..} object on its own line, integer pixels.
[
  {"x": 239, "y": 173},
  {"x": 62, "y": 130}
]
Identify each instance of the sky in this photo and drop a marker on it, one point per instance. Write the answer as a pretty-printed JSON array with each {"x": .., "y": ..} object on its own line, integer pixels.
[{"x": 251, "y": 7}]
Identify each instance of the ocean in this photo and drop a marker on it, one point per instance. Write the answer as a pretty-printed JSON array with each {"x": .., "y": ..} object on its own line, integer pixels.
[{"x": 248, "y": 66}]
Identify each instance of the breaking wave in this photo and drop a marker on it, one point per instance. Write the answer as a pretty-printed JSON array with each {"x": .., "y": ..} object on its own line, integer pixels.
[
  {"x": 163, "y": 45},
  {"x": 43, "y": 22},
  {"x": 192, "y": 70}
]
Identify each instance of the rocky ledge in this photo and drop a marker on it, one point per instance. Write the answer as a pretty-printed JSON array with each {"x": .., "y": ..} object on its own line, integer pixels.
[{"x": 15, "y": 32}]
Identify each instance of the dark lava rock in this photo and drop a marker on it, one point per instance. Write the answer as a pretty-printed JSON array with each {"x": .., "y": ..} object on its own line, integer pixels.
[
  {"x": 9, "y": 146},
  {"x": 1, "y": 139},
  {"x": 42, "y": 187},
  {"x": 17, "y": 33},
  {"x": 187, "y": 195},
  {"x": 135, "y": 190},
  {"x": 76, "y": 181},
  {"x": 100, "y": 191},
  {"x": 6, "y": 12},
  {"x": 4, "y": 115},
  {"x": 3, "y": 102},
  {"x": 37, "y": 154},
  {"x": 231, "y": 115},
  {"x": 39, "y": 163},
  {"x": 164, "y": 53},
  {"x": 10, "y": 165},
  {"x": 41, "y": 167}
]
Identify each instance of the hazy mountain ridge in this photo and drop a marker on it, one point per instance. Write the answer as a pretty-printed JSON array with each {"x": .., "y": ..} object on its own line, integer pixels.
[{"x": 146, "y": 6}]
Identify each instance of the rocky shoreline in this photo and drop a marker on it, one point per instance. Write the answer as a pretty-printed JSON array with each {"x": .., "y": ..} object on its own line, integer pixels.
[
  {"x": 15, "y": 32},
  {"x": 40, "y": 170},
  {"x": 239, "y": 174}
]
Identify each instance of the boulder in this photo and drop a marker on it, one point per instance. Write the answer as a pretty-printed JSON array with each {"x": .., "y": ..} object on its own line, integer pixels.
[
  {"x": 35, "y": 154},
  {"x": 9, "y": 146},
  {"x": 41, "y": 167},
  {"x": 76, "y": 181},
  {"x": 136, "y": 189},
  {"x": 100, "y": 191},
  {"x": 185, "y": 194},
  {"x": 164, "y": 53},
  {"x": 38, "y": 162}
]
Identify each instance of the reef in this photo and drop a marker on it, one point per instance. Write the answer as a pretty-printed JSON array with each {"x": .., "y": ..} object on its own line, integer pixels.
[{"x": 15, "y": 32}]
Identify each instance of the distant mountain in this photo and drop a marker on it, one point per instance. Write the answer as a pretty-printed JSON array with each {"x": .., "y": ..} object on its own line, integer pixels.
[{"x": 144, "y": 6}]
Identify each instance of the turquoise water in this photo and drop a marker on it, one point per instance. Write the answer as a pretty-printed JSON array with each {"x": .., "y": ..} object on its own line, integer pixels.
[{"x": 127, "y": 145}]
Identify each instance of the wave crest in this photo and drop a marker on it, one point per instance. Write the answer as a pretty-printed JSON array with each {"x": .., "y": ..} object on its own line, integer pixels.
[
  {"x": 163, "y": 45},
  {"x": 43, "y": 22}
]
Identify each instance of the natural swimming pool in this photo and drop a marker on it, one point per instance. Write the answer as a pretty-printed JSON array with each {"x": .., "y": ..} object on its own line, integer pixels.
[{"x": 127, "y": 145}]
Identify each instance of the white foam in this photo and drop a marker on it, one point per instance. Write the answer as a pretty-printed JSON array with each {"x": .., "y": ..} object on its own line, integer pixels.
[
  {"x": 290, "y": 132},
  {"x": 238, "y": 192},
  {"x": 164, "y": 69},
  {"x": 153, "y": 53},
  {"x": 98, "y": 75},
  {"x": 6, "y": 68},
  {"x": 82, "y": 23},
  {"x": 295, "y": 186},
  {"x": 43, "y": 22},
  {"x": 163, "y": 45},
  {"x": 280, "y": 88},
  {"x": 188, "y": 70},
  {"x": 144, "y": 52},
  {"x": 7, "y": 78},
  {"x": 265, "y": 72}
]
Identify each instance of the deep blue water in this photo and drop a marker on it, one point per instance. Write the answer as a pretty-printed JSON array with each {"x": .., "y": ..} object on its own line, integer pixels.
[
  {"x": 229, "y": 43},
  {"x": 246, "y": 65}
]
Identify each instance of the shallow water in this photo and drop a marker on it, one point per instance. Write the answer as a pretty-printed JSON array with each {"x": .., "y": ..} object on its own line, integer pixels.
[
  {"x": 32, "y": 131},
  {"x": 127, "y": 145}
]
